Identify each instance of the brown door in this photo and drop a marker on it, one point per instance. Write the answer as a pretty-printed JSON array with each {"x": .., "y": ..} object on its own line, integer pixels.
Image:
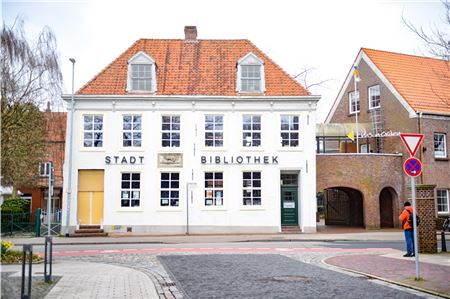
[{"x": 386, "y": 213}]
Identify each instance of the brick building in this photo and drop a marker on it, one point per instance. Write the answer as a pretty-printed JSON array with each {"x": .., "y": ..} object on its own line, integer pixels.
[
  {"x": 396, "y": 93},
  {"x": 55, "y": 143}
]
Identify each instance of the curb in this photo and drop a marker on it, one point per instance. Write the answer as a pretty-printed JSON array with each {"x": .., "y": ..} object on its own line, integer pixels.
[
  {"x": 431, "y": 292},
  {"x": 225, "y": 241}
]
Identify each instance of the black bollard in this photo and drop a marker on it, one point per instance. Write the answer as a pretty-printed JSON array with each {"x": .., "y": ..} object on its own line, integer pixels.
[
  {"x": 48, "y": 259},
  {"x": 443, "y": 244},
  {"x": 27, "y": 248}
]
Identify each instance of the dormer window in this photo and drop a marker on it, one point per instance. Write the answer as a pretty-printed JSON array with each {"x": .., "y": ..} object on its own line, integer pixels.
[
  {"x": 141, "y": 73},
  {"x": 250, "y": 74}
]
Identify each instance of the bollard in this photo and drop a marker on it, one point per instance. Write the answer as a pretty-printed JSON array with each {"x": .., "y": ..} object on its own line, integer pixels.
[
  {"x": 37, "y": 227},
  {"x": 27, "y": 248},
  {"x": 48, "y": 259},
  {"x": 443, "y": 244}
]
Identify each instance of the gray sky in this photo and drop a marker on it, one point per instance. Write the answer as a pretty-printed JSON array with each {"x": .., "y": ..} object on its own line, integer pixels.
[{"x": 325, "y": 35}]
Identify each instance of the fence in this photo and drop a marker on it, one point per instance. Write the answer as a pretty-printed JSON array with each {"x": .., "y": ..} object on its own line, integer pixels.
[{"x": 17, "y": 223}]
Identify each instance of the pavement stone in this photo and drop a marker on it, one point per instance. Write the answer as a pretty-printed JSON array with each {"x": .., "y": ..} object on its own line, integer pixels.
[
  {"x": 267, "y": 276},
  {"x": 435, "y": 277}
]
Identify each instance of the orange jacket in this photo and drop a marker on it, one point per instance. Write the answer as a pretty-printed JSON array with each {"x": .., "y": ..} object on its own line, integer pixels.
[{"x": 404, "y": 217}]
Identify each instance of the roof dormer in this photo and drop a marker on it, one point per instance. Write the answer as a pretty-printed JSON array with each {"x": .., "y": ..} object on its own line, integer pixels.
[
  {"x": 141, "y": 73},
  {"x": 250, "y": 74}
]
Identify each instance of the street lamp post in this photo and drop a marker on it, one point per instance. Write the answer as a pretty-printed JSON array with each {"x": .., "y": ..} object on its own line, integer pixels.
[{"x": 69, "y": 177}]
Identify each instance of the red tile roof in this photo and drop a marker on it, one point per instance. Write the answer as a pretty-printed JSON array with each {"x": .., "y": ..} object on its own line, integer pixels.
[
  {"x": 200, "y": 67},
  {"x": 423, "y": 82}
]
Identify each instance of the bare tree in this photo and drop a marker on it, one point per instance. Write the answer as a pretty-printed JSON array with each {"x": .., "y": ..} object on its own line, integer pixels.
[
  {"x": 436, "y": 40},
  {"x": 304, "y": 77},
  {"x": 30, "y": 76}
]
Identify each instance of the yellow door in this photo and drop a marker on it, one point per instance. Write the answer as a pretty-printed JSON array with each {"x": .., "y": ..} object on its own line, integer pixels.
[{"x": 90, "y": 196}]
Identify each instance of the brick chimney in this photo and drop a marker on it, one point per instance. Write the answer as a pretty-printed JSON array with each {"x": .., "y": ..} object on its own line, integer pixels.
[{"x": 190, "y": 33}]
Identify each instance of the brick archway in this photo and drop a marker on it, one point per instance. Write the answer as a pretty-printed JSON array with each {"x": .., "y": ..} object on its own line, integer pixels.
[
  {"x": 387, "y": 198},
  {"x": 344, "y": 206}
]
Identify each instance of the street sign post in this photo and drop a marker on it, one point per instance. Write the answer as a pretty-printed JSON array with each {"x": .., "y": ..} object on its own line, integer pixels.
[{"x": 413, "y": 168}]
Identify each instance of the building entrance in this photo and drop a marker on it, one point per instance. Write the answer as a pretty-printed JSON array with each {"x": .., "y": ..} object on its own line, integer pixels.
[
  {"x": 289, "y": 199},
  {"x": 90, "y": 196}
]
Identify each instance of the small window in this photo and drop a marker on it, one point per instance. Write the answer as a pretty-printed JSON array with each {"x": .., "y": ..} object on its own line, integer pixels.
[
  {"x": 374, "y": 97},
  {"x": 214, "y": 130},
  {"x": 170, "y": 131},
  {"x": 251, "y": 184},
  {"x": 251, "y": 78},
  {"x": 250, "y": 74},
  {"x": 289, "y": 130},
  {"x": 93, "y": 131},
  {"x": 44, "y": 169},
  {"x": 442, "y": 200},
  {"x": 141, "y": 73},
  {"x": 132, "y": 131},
  {"x": 213, "y": 189},
  {"x": 170, "y": 189},
  {"x": 440, "y": 145},
  {"x": 353, "y": 101},
  {"x": 251, "y": 131},
  {"x": 130, "y": 189}
]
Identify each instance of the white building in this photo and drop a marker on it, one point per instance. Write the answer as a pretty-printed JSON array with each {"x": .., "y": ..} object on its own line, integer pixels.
[{"x": 192, "y": 136}]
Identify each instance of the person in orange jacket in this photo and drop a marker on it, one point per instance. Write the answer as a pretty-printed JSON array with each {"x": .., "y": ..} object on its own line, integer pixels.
[{"x": 408, "y": 229}]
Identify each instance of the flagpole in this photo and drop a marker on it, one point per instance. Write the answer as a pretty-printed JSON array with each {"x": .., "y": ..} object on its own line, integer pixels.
[{"x": 356, "y": 109}]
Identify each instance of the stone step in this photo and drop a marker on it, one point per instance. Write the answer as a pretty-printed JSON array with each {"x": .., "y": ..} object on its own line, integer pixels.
[
  {"x": 290, "y": 229},
  {"x": 89, "y": 226},
  {"x": 83, "y": 235},
  {"x": 89, "y": 230}
]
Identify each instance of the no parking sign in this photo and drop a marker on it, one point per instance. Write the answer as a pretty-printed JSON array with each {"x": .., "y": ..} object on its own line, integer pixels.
[{"x": 412, "y": 167}]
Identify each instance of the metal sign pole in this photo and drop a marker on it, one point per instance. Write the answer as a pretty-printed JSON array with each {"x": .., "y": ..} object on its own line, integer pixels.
[
  {"x": 416, "y": 250},
  {"x": 49, "y": 200}
]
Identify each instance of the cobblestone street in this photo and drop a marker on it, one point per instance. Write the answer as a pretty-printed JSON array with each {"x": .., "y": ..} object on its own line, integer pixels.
[{"x": 256, "y": 275}]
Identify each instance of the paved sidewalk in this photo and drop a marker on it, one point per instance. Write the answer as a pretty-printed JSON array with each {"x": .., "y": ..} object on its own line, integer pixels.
[
  {"x": 394, "y": 268},
  {"x": 92, "y": 280}
]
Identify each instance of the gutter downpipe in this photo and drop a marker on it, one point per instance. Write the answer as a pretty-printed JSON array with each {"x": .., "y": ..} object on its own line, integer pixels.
[
  {"x": 69, "y": 178},
  {"x": 419, "y": 123}
]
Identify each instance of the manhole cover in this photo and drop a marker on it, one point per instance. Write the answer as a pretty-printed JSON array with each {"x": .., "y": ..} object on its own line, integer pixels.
[{"x": 291, "y": 278}]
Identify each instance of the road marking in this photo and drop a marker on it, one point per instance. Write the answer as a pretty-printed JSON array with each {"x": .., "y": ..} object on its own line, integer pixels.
[{"x": 225, "y": 249}]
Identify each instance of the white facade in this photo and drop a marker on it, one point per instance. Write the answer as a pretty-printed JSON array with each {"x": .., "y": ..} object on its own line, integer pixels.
[{"x": 192, "y": 159}]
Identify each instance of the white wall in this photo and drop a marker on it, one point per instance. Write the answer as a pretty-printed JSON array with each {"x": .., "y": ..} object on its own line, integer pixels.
[{"x": 233, "y": 216}]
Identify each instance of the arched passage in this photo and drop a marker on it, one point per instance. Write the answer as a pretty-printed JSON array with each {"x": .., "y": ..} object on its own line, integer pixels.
[
  {"x": 387, "y": 198},
  {"x": 343, "y": 206}
]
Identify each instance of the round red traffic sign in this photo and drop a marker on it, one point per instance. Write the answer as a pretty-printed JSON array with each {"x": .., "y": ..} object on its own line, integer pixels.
[{"x": 412, "y": 167}]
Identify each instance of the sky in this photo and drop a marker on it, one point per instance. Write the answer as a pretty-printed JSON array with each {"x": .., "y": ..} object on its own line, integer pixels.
[{"x": 321, "y": 35}]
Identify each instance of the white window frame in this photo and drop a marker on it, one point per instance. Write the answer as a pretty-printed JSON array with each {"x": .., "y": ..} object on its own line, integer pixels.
[
  {"x": 291, "y": 131},
  {"x": 250, "y": 60},
  {"x": 350, "y": 102},
  {"x": 141, "y": 58},
  {"x": 374, "y": 92},
  {"x": 93, "y": 131},
  {"x": 169, "y": 130},
  {"x": 250, "y": 130},
  {"x": 132, "y": 190},
  {"x": 214, "y": 132},
  {"x": 210, "y": 194},
  {"x": 441, "y": 153},
  {"x": 132, "y": 131},
  {"x": 44, "y": 169},
  {"x": 171, "y": 188},
  {"x": 250, "y": 188},
  {"x": 444, "y": 197}
]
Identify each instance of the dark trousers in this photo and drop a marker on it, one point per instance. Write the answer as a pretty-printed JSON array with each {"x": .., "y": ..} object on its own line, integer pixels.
[{"x": 409, "y": 239}]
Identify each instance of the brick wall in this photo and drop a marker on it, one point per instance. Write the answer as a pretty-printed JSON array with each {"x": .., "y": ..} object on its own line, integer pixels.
[
  {"x": 426, "y": 210},
  {"x": 367, "y": 173}
]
